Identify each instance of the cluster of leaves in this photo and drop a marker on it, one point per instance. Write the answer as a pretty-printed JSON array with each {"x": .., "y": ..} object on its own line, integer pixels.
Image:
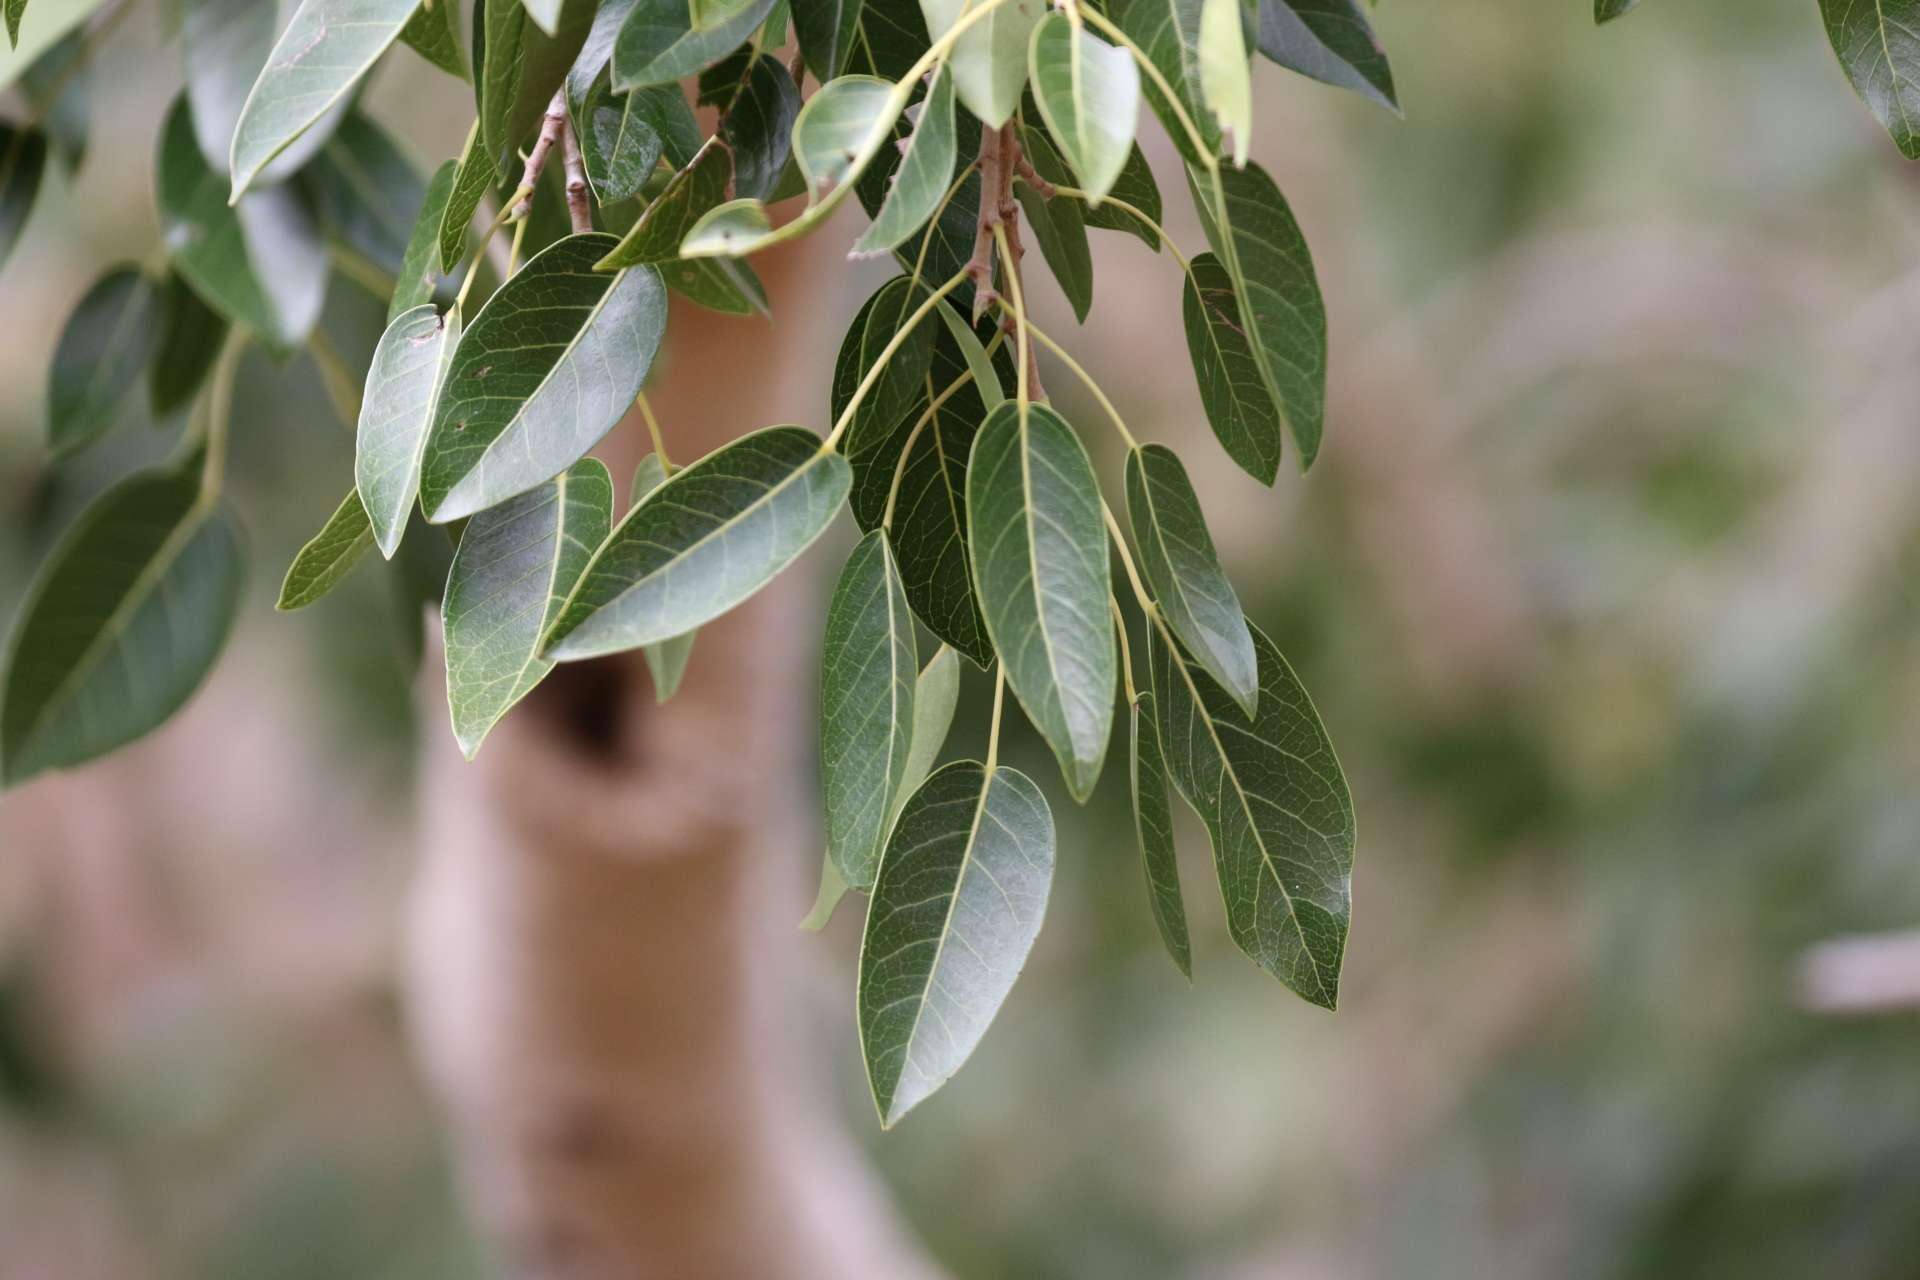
[{"x": 983, "y": 519}]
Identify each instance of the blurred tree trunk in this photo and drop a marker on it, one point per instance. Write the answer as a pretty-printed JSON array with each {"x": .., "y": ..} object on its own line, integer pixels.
[{"x": 595, "y": 983}]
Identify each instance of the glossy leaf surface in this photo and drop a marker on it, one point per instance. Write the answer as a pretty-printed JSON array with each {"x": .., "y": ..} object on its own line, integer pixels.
[
  {"x": 1331, "y": 41},
  {"x": 1168, "y": 32},
  {"x": 659, "y": 44},
  {"x": 1089, "y": 93},
  {"x": 989, "y": 61},
  {"x": 1878, "y": 44},
  {"x": 688, "y": 195},
  {"x": 403, "y": 389},
  {"x": 923, "y": 175}
]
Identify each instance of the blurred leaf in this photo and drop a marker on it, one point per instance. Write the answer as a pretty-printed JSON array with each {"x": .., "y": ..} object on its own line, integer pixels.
[
  {"x": 1225, "y": 81},
  {"x": 689, "y": 194},
  {"x": 1168, "y": 32},
  {"x": 1332, "y": 42},
  {"x": 121, "y": 626},
  {"x": 515, "y": 565},
  {"x": 1242, "y": 414},
  {"x": 758, "y": 126},
  {"x": 826, "y": 31},
  {"x": 433, "y": 32},
  {"x": 105, "y": 346},
  {"x": 1057, "y": 225},
  {"x": 14, "y": 10},
  {"x": 191, "y": 334},
  {"x": 405, "y": 381},
  {"x": 1040, "y": 563},
  {"x": 970, "y": 863},
  {"x": 46, "y": 24},
  {"x": 1153, "y": 823},
  {"x": 23, "y": 161},
  {"x": 868, "y": 668},
  {"x": 1878, "y": 43},
  {"x": 710, "y": 537},
  {"x": 658, "y": 43},
  {"x": 1135, "y": 186},
  {"x": 666, "y": 660},
  {"x": 470, "y": 183},
  {"x": 545, "y": 14},
  {"x": 1608, "y": 10},
  {"x": 1089, "y": 94},
  {"x": 58, "y": 87},
  {"x": 329, "y": 556},
  {"x": 1276, "y": 807},
  {"x": 520, "y": 67},
  {"x": 989, "y": 61},
  {"x": 923, "y": 175},
  {"x": 420, "y": 272},
  {"x": 549, "y": 366},
  {"x": 367, "y": 193}
]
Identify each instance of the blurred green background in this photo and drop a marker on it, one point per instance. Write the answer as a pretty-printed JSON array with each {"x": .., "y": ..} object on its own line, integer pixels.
[{"x": 1605, "y": 587}]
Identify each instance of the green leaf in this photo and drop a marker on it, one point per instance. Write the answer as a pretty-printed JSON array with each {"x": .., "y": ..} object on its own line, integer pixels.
[
  {"x": 936, "y": 694},
  {"x": 1281, "y": 311},
  {"x": 470, "y": 183},
  {"x": 58, "y": 88},
  {"x": 874, "y": 438},
  {"x": 108, "y": 341},
  {"x": 689, "y": 194},
  {"x": 420, "y": 270},
  {"x": 840, "y": 128},
  {"x": 122, "y": 625},
  {"x": 923, "y": 175},
  {"x": 548, "y": 367},
  {"x": 1153, "y": 823},
  {"x": 366, "y": 192},
  {"x": 1608, "y": 10},
  {"x": 705, "y": 541},
  {"x": 758, "y": 125},
  {"x": 1332, "y": 42},
  {"x": 726, "y": 285},
  {"x": 261, "y": 263},
  {"x": 989, "y": 61},
  {"x": 545, "y": 14},
  {"x": 225, "y": 45},
  {"x": 45, "y": 25},
  {"x": 433, "y": 32},
  {"x": 888, "y": 38},
  {"x": 1243, "y": 415},
  {"x": 868, "y": 670},
  {"x": 618, "y": 147},
  {"x": 515, "y": 565},
  {"x": 1275, "y": 804},
  {"x": 1878, "y": 43},
  {"x": 961, "y": 894},
  {"x": 520, "y": 67},
  {"x": 666, "y": 660},
  {"x": 15, "y": 9},
  {"x": 832, "y": 889},
  {"x": 191, "y": 334},
  {"x": 404, "y": 384},
  {"x": 1225, "y": 80},
  {"x": 986, "y": 379},
  {"x": 1089, "y": 94},
  {"x": 327, "y": 46},
  {"x": 1058, "y": 225},
  {"x": 826, "y": 30},
  {"x": 733, "y": 229},
  {"x": 1168, "y": 32},
  {"x": 1039, "y": 550},
  {"x": 1135, "y": 186},
  {"x": 1188, "y": 584},
  {"x": 23, "y": 162},
  {"x": 658, "y": 43},
  {"x": 329, "y": 557}
]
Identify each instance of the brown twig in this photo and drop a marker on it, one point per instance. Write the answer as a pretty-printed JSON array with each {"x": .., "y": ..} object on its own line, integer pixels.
[
  {"x": 551, "y": 128},
  {"x": 1031, "y": 176},
  {"x": 579, "y": 212},
  {"x": 1012, "y": 161}
]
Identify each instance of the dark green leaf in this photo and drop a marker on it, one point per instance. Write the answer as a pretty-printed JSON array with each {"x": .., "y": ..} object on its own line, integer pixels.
[
  {"x": 1281, "y": 311},
  {"x": 107, "y": 342},
  {"x": 1243, "y": 415},
  {"x": 23, "y": 161},
  {"x": 261, "y": 263},
  {"x": 989, "y": 61},
  {"x": 548, "y": 367},
  {"x": 366, "y": 192},
  {"x": 1275, "y": 804},
  {"x": 705, "y": 541},
  {"x": 1057, "y": 225},
  {"x": 1608, "y": 10},
  {"x": 58, "y": 86},
  {"x": 1153, "y": 823},
  {"x": 191, "y": 334},
  {"x": 1168, "y": 32},
  {"x": 1089, "y": 94},
  {"x": 327, "y": 46},
  {"x": 726, "y": 285},
  {"x": 1878, "y": 43},
  {"x": 122, "y": 625},
  {"x": 969, "y": 863},
  {"x": 520, "y": 66},
  {"x": 470, "y": 182},
  {"x": 329, "y": 557},
  {"x": 658, "y": 43},
  {"x": 826, "y": 30},
  {"x": 1135, "y": 186},
  {"x": 875, "y": 437},
  {"x": 689, "y": 194},
  {"x": 759, "y": 127},
  {"x": 404, "y": 385},
  {"x": 922, "y": 177},
  {"x": 618, "y": 147},
  {"x": 420, "y": 269},
  {"x": 667, "y": 659},
  {"x": 888, "y": 38},
  {"x": 1331, "y": 41},
  {"x": 515, "y": 565},
  {"x": 1039, "y": 549},
  {"x": 433, "y": 32},
  {"x": 14, "y": 10},
  {"x": 1188, "y": 584}
]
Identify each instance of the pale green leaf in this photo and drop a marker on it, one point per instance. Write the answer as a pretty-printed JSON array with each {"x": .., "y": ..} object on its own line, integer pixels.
[
  {"x": 420, "y": 269},
  {"x": 23, "y": 162},
  {"x": 733, "y": 229},
  {"x": 666, "y": 660},
  {"x": 936, "y": 695},
  {"x": 1039, "y": 549},
  {"x": 960, "y": 898},
  {"x": 545, "y": 14},
  {"x": 329, "y": 556},
  {"x": 840, "y": 128},
  {"x": 1168, "y": 32},
  {"x": 404, "y": 385},
  {"x": 1332, "y": 42},
  {"x": 107, "y": 343},
  {"x": 1089, "y": 94},
  {"x": 514, "y": 567},
  {"x": 989, "y": 60},
  {"x": 923, "y": 175},
  {"x": 690, "y": 193},
  {"x": 1878, "y": 44},
  {"x": 41, "y": 27},
  {"x": 659, "y": 44},
  {"x": 832, "y": 889},
  {"x": 986, "y": 379},
  {"x": 1225, "y": 79},
  {"x": 549, "y": 366},
  {"x": 1153, "y": 824},
  {"x": 706, "y": 540}
]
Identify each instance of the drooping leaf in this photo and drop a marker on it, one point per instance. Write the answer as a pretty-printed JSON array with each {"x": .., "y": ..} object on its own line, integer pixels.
[
  {"x": 366, "y": 192},
  {"x": 108, "y": 341},
  {"x": 1135, "y": 186},
  {"x": 659, "y": 44},
  {"x": 840, "y": 128},
  {"x": 667, "y": 659},
  {"x": 1878, "y": 44},
  {"x": 191, "y": 333},
  {"x": 1608, "y": 10},
  {"x": 872, "y": 440},
  {"x": 549, "y": 366},
  {"x": 1039, "y": 550},
  {"x": 15, "y": 10},
  {"x": 758, "y": 126},
  {"x": 690, "y": 193},
  {"x": 1168, "y": 32},
  {"x": 1242, "y": 413},
  {"x": 1225, "y": 79},
  {"x": 121, "y": 626},
  {"x": 827, "y": 898},
  {"x": 23, "y": 162},
  {"x": 1089, "y": 94},
  {"x": 520, "y": 67},
  {"x": 1275, "y": 804},
  {"x": 261, "y": 263},
  {"x": 726, "y": 285},
  {"x": 515, "y": 565},
  {"x": 433, "y": 32},
  {"x": 224, "y": 45},
  {"x": 961, "y": 894},
  {"x": 986, "y": 378},
  {"x": 470, "y": 183},
  {"x": 327, "y": 46},
  {"x": 1281, "y": 311},
  {"x": 58, "y": 88},
  {"x": 1184, "y": 573},
  {"x": 826, "y": 30},
  {"x": 404, "y": 386},
  {"x": 1058, "y": 225},
  {"x": 1153, "y": 824},
  {"x": 923, "y": 175},
  {"x": 618, "y": 147},
  {"x": 596, "y": 51},
  {"x": 705, "y": 541},
  {"x": 1332, "y": 42},
  {"x": 888, "y": 38},
  {"x": 936, "y": 694},
  {"x": 868, "y": 669},
  {"x": 733, "y": 229},
  {"x": 420, "y": 270},
  {"x": 329, "y": 556},
  {"x": 989, "y": 61}
]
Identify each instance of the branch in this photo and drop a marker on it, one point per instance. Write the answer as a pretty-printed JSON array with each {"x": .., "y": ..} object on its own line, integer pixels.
[
  {"x": 551, "y": 128},
  {"x": 578, "y": 211},
  {"x": 1012, "y": 161}
]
